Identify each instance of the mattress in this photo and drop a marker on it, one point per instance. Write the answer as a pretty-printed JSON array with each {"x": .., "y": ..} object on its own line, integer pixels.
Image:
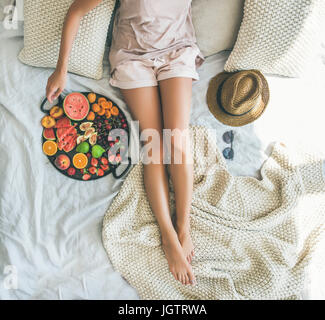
[{"x": 50, "y": 226}]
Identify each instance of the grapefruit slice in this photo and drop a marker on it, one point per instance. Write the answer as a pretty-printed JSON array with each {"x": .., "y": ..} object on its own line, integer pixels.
[
  {"x": 80, "y": 160},
  {"x": 50, "y": 147}
]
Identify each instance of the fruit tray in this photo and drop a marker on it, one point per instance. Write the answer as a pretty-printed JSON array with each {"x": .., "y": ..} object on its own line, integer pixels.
[{"x": 79, "y": 137}]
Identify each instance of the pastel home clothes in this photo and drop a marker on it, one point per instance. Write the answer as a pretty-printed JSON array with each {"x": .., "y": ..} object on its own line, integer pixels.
[
  {"x": 147, "y": 72},
  {"x": 153, "y": 40}
]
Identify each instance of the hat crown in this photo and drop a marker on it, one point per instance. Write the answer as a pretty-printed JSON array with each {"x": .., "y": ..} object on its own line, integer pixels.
[{"x": 241, "y": 92}]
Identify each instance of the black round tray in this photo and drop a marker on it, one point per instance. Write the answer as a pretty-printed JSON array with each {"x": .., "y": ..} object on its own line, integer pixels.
[{"x": 113, "y": 122}]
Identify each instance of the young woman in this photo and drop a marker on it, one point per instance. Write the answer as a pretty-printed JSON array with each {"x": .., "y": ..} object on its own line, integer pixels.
[{"x": 153, "y": 60}]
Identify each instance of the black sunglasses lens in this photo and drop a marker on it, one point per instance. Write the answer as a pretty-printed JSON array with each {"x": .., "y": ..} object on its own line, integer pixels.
[
  {"x": 228, "y": 153},
  {"x": 228, "y": 137}
]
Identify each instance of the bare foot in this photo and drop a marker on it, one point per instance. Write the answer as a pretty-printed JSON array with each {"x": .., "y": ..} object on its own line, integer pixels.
[
  {"x": 178, "y": 265},
  {"x": 186, "y": 243}
]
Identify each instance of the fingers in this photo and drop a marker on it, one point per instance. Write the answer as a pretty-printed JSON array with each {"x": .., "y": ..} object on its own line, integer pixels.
[
  {"x": 50, "y": 94},
  {"x": 53, "y": 93},
  {"x": 58, "y": 92}
]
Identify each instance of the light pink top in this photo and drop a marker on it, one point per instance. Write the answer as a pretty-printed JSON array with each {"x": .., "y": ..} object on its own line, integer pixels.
[{"x": 148, "y": 28}]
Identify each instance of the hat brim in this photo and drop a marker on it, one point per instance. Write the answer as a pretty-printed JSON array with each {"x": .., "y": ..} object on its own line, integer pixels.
[{"x": 234, "y": 121}]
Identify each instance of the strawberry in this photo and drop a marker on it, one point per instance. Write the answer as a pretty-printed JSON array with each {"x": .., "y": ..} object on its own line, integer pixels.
[
  {"x": 111, "y": 158},
  {"x": 104, "y": 160},
  {"x": 92, "y": 170},
  {"x": 104, "y": 167},
  {"x": 118, "y": 158},
  {"x": 100, "y": 172},
  {"x": 86, "y": 176},
  {"x": 94, "y": 162},
  {"x": 71, "y": 171}
]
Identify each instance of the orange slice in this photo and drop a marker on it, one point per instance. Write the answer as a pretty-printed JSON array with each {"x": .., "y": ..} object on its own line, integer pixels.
[
  {"x": 114, "y": 111},
  {"x": 80, "y": 160},
  {"x": 50, "y": 147}
]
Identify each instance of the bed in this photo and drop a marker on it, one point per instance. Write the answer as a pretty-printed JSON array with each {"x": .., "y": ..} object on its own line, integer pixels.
[{"x": 50, "y": 226}]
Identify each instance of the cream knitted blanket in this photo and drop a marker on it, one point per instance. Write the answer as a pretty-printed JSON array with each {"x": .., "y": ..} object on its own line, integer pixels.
[{"x": 254, "y": 239}]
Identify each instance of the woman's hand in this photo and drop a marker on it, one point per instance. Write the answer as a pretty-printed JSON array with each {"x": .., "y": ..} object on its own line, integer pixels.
[{"x": 55, "y": 85}]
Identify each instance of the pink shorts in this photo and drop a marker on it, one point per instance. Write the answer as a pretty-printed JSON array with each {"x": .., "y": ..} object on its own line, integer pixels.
[{"x": 147, "y": 72}]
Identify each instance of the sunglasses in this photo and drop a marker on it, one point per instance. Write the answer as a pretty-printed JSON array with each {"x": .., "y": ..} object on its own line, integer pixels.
[{"x": 228, "y": 137}]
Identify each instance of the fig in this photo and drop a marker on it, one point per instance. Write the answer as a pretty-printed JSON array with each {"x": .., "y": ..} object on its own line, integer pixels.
[
  {"x": 85, "y": 125},
  {"x": 93, "y": 138}
]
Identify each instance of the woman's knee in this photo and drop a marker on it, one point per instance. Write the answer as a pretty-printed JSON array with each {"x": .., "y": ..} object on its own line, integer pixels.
[{"x": 178, "y": 145}]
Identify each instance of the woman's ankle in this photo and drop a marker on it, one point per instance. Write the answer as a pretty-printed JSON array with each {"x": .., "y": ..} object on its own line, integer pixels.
[
  {"x": 183, "y": 228},
  {"x": 169, "y": 237}
]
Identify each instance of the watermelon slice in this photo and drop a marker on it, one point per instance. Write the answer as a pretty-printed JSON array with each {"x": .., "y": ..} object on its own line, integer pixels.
[
  {"x": 64, "y": 122},
  {"x": 67, "y": 138},
  {"x": 65, "y": 131},
  {"x": 49, "y": 134},
  {"x": 71, "y": 144},
  {"x": 76, "y": 106}
]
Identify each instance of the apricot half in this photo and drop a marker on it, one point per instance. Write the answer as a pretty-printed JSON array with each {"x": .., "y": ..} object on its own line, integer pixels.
[
  {"x": 48, "y": 122},
  {"x": 92, "y": 97},
  {"x": 56, "y": 112}
]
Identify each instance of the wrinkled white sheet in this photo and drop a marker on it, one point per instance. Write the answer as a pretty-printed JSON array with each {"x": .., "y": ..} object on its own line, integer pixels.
[{"x": 50, "y": 226}]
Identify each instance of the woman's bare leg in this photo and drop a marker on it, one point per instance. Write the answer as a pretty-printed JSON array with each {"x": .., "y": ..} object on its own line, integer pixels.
[
  {"x": 176, "y": 95},
  {"x": 144, "y": 104}
]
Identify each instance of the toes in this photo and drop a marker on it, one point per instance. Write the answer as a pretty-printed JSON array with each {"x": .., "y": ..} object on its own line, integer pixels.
[
  {"x": 192, "y": 253},
  {"x": 191, "y": 277},
  {"x": 187, "y": 280},
  {"x": 183, "y": 279},
  {"x": 174, "y": 274}
]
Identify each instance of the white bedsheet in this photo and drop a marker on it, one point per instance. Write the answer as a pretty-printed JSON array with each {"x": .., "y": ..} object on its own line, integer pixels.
[{"x": 50, "y": 226}]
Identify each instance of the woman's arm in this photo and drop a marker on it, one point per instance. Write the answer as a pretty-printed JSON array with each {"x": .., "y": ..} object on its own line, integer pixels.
[{"x": 57, "y": 80}]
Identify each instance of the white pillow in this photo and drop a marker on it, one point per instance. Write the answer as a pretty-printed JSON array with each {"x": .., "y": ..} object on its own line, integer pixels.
[
  {"x": 43, "y": 21},
  {"x": 278, "y": 37},
  {"x": 216, "y": 24}
]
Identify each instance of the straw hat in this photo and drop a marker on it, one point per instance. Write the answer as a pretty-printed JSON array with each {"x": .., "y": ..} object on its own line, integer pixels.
[{"x": 238, "y": 98}]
